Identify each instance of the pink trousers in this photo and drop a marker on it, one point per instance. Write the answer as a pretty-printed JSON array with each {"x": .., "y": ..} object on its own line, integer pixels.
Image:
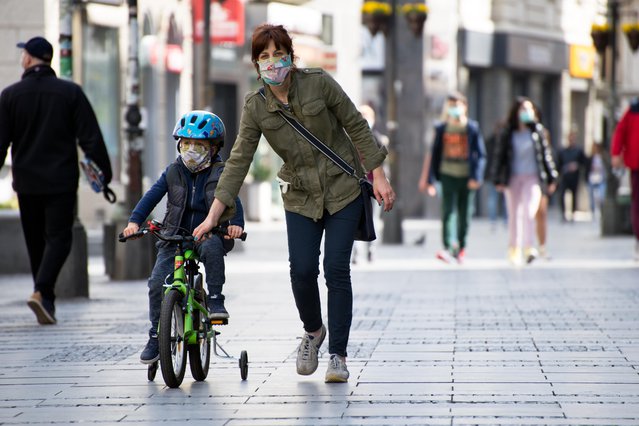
[{"x": 523, "y": 196}]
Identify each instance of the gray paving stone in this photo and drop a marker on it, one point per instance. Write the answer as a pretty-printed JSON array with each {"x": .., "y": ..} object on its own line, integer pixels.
[{"x": 482, "y": 343}]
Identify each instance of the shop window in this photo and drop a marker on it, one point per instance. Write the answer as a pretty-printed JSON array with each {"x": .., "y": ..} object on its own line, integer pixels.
[{"x": 101, "y": 83}]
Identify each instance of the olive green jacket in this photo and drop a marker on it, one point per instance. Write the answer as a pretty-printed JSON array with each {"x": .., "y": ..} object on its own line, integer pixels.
[{"x": 316, "y": 183}]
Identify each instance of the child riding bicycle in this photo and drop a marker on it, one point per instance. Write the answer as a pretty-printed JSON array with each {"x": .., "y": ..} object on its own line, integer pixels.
[{"x": 189, "y": 183}]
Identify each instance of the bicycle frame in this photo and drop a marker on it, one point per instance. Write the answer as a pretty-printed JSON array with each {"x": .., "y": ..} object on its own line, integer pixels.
[{"x": 185, "y": 270}]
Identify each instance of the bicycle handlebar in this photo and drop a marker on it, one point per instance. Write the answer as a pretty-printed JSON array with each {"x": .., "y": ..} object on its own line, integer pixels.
[{"x": 155, "y": 228}]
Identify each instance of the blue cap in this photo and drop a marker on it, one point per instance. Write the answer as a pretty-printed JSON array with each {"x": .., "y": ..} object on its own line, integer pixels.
[{"x": 38, "y": 47}]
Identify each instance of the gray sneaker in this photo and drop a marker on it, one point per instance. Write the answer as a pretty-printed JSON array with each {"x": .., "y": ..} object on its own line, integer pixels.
[
  {"x": 337, "y": 371},
  {"x": 307, "y": 353}
]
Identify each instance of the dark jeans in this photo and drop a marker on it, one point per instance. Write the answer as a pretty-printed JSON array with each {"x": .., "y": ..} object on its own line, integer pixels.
[
  {"x": 568, "y": 183},
  {"x": 304, "y": 238},
  {"x": 211, "y": 253},
  {"x": 458, "y": 204},
  {"x": 47, "y": 224}
]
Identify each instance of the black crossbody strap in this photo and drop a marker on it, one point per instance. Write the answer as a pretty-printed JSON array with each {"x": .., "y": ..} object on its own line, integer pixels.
[{"x": 313, "y": 140}]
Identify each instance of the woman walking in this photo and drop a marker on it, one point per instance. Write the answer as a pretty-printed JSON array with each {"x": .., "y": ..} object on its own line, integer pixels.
[
  {"x": 320, "y": 200},
  {"x": 523, "y": 167}
]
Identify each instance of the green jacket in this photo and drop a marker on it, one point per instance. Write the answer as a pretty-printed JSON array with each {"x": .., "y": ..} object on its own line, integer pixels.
[{"x": 316, "y": 183}]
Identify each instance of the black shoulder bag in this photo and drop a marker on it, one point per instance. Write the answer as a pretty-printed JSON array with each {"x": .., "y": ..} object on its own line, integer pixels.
[{"x": 366, "y": 227}]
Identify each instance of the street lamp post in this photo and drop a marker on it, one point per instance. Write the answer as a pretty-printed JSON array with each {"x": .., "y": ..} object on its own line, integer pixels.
[
  {"x": 392, "y": 232},
  {"x": 613, "y": 213}
]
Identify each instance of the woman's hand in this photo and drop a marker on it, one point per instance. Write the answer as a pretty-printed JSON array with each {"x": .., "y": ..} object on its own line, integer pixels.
[
  {"x": 383, "y": 190},
  {"x": 233, "y": 231},
  {"x": 131, "y": 228},
  {"x": 211, "y": 220},
  {"x": 431, "y": 190}
]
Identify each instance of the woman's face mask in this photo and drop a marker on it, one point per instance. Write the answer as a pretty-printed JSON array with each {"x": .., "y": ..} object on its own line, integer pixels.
[
  {"x": 274, "y": 70},
  {"x": 526, "y": 116},
  {"x": 195, "y": 155}
]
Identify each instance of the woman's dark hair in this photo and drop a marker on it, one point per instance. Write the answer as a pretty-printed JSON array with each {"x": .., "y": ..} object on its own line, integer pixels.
[
  {"x": 513, "y": 114},
  {"x": 263, "y": 34}
]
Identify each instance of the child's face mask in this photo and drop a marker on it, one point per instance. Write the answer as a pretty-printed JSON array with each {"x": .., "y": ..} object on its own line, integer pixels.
[{"x": 196, "y": 155}]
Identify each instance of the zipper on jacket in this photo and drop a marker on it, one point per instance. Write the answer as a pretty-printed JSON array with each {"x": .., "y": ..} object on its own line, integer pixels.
[{"x": 193, "y": 201}]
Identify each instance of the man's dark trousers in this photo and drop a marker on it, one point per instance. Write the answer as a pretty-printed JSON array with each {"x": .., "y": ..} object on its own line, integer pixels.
[{"x": 47, "y": 224}]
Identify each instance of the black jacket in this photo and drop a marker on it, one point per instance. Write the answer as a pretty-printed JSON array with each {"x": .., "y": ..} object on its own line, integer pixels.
[
  {"x": 503, "y": 152},
  {"x": 44, "y": 118}
]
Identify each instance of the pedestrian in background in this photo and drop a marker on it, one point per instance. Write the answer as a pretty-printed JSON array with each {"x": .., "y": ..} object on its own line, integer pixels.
[
  {"x": 596, "y": 177},
  {"x": 457, "y": 161},
  {"x": 625, "y": 151},
  {"x": 320, "y": 200},
  {"x": 541, "y": 217},
  {"x": 495, "y": 202},
  {"x": 524, "y": 168},
  {"x": 570, "y": 162},
  {"x": 44, "y": 119}
]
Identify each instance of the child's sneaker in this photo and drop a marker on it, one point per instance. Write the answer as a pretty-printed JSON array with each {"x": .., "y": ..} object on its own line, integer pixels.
[
  {"x": 307, "y": 352},
  {"x": 44, "y": 309},
  {"x": 337, "y": 371},
  {"x": 151, "y": 351},
  {"x": 215, "y": 305}
]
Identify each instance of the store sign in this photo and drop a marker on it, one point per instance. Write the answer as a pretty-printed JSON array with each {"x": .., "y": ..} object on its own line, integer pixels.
[
  {"x": 227, "y": 21},
  {"x": 582, "y": 61}
]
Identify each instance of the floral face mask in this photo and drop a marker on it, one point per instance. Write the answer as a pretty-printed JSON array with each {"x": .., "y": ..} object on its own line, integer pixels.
[
  {"x": 274, "y": 70},
  {"x": 195, "y": 156}
]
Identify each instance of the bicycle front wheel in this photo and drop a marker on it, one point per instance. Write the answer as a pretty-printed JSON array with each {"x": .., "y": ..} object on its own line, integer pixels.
[{"x": 172, "y": 344}]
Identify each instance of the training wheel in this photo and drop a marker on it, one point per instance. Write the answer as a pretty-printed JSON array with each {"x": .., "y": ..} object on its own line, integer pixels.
[
  {"x": 153, "y": 368},
  {"x": 243, "y": 365}
]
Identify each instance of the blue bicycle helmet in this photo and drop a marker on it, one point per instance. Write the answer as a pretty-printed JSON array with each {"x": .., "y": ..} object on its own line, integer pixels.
[{"x": 203, "y": 125}]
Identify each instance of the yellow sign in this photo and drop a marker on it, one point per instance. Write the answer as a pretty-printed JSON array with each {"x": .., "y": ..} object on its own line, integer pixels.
[{"x": 582, "y": 61}]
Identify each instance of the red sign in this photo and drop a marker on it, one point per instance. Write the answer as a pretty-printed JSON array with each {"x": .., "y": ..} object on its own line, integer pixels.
[{"x": 227, "y": 21}]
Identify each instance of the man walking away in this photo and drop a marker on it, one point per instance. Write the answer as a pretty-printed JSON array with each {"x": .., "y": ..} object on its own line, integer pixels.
[{"x": 42, "y": 119}]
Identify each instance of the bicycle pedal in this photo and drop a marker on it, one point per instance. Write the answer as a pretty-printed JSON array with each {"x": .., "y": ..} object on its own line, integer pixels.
[{"x": 220, "y": 321}]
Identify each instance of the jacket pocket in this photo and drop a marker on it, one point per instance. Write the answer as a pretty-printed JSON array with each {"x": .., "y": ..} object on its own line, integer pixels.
[
  {"x": 313, "y": 108},
  {"x": 272, "y": 123},
  {"x": 294, "y": 194}
]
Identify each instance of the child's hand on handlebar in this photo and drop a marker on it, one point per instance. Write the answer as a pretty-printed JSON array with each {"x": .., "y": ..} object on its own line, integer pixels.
[
  {"x": 233, "y": 231},
  {"x": 131, "y": 228}
]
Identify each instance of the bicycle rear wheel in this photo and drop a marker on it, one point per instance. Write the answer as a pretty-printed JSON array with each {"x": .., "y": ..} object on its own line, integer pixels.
[
  {"x": 172, "y": 344},
  {"x": 200, "y": 353}
]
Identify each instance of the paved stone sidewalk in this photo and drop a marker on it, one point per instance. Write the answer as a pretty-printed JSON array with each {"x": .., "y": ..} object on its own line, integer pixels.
[{"x": 555, "y": 343}]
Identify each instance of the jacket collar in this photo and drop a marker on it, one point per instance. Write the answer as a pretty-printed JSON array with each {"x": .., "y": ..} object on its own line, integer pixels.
[{"x": 39, "y": 70}]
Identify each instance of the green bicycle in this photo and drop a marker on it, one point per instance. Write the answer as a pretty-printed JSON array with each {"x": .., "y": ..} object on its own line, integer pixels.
[{"x": 184, "y": 323}]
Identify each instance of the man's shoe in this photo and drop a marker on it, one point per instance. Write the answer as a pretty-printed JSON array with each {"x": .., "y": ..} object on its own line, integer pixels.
[
  {"x": 461, "y": 256},
  {"x": 337, "y": 371},
  {"x": 215, "y": 305},
  {"x": 307, "y": 352},
  {"x": 444, "y": 256},
  {"x": 44, "y": 309},
  {"x": 151, "y": 351}
]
